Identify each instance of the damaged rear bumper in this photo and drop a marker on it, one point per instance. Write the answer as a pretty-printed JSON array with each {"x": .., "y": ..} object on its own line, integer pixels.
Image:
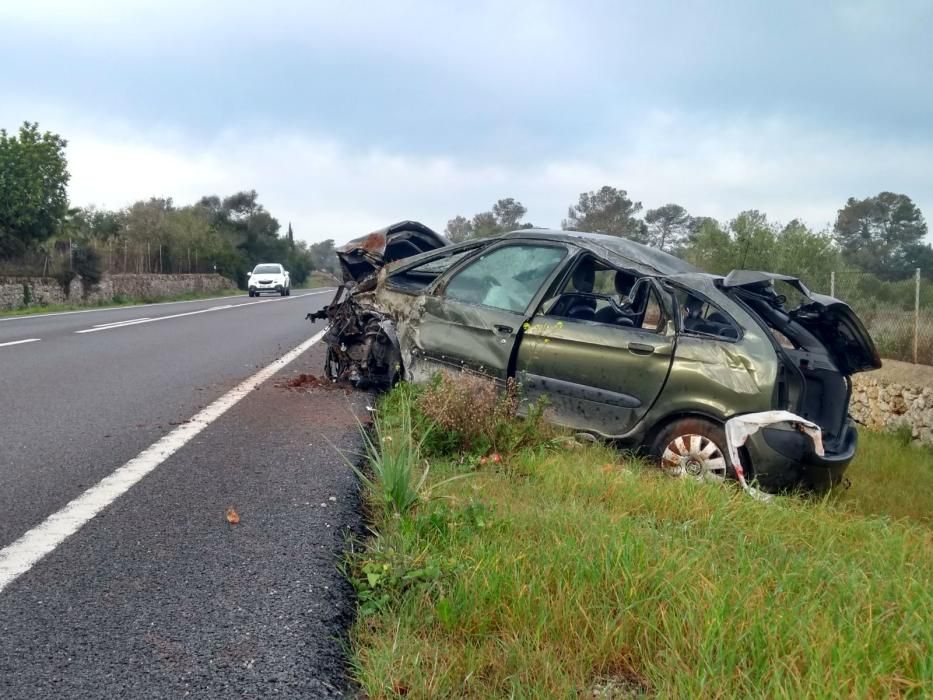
[
  {"x": 784, "y": 459},
  {"x": 786, "y": 451}
]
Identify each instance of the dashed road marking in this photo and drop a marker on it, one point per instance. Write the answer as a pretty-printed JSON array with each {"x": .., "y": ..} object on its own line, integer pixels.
[{"x": 20, "y": 342}]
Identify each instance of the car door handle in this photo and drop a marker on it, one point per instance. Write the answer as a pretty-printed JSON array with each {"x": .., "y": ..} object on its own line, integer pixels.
[
  {"x": 641, "y": 348},
  {"x": 503, "y": 330}
]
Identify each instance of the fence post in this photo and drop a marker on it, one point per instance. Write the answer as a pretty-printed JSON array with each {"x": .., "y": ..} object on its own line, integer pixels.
[
  {"x": 832, "y": 283},
  {"x": 916, "y": 312}
]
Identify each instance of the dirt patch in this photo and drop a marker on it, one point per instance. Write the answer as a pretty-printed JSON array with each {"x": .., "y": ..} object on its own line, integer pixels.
[
  {"x": 896, "y": 372},
  {"x": 310, "y": 381}
]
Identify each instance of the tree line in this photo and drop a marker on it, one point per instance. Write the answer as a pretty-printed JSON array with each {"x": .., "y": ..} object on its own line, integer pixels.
[
  {"x": 41, "y": 234},
  {"x": 881, "y": 235}
]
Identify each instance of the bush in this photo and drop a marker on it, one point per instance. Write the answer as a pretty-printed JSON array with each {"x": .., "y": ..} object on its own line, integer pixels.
[{"x": 87, "y": 263}]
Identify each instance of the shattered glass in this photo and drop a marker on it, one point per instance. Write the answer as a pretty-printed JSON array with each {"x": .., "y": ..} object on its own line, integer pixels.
[{"x": 506, "y": 278}]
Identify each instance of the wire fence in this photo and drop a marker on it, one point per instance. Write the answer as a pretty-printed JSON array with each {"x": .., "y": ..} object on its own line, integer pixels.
[{"x": 898, "y": 315}]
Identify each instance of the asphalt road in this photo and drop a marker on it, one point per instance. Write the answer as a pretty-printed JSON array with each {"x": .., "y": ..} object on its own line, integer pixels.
[{"x": 157, "y": 594}]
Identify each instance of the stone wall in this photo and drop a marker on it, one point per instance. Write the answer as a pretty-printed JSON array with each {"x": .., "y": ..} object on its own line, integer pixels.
[
  {"x": 43, "y": 291},
  {"x": 885, "y": 405}
]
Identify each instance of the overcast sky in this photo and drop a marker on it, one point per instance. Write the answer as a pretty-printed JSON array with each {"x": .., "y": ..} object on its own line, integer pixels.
[{"x": 349, "y": 116}]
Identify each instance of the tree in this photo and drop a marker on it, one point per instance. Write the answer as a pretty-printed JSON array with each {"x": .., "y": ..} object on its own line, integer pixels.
[
  {"x": 710, "y": 247},
  {"x": 33, "y": 181},
  {"x": 324, "y": 257},
  {"x": 290, "y": 236},
  {"x": 458, "y": 229},
  {"x": 485, "y": 224},
  {"x": 241, "y": 205},
  {"x": 668, "y": 226},
  {"x": 505, "y": 215},
  {"x": 509, "y": 214},
  {"x": 803, "y": 253},
  {"x": 607, "y": 210},
  {"x": 878, "y": 233}
]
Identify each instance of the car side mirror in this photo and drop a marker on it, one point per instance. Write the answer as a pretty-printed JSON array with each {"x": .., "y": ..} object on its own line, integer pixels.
[{"x": 249, "y": 274}]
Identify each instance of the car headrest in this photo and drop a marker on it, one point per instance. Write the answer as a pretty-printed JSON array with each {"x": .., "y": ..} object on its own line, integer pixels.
[
  {"x": 584, "y": 276},
  {"x": 624, "y": 283}
]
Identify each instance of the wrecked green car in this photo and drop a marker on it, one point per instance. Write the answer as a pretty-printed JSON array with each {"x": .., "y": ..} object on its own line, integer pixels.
[{"x": 745, "y": 376}]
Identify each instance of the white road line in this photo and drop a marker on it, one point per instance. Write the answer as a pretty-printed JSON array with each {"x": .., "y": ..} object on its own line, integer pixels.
[
  {"x": 20, "y": 342},
  {"x": 20, "y": 556},
  {"x": 124, "y": 324},
  {"x": 34, "y": 317},
  {"x": 120, "y": 323}
]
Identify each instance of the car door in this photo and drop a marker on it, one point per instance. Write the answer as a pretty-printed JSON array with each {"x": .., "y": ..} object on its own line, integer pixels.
[
  {"x": 599, "y": 377},
  {"x": 475, "y": 313}
]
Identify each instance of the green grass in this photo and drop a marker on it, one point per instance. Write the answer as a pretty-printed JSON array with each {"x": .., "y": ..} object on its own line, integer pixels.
[
  {"x": 890, "y": 478},
  {"x": 561, "y": 571},
  {"x": 318, "y": 279},
  {"x": 117, "y": 302}
]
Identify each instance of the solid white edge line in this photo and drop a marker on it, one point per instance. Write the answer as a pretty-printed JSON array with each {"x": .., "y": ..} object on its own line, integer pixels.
[
  {"x": 33, "y": 317},
  {"x": 20, "y": 556},
  {"x": 20, "y": 342}
]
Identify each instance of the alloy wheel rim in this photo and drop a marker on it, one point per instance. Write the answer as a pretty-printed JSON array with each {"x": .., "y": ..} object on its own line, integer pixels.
[{"x": 695, "y": 456}]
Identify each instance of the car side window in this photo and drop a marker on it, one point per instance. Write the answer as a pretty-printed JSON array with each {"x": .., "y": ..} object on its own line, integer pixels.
[
  {"x": 699, "y": 316},
  {"x": 653, "y": 318},
  {"x": 506, "y": 278}
]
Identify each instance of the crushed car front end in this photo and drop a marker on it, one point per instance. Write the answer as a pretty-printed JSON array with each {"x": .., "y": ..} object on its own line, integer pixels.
[{"x": 362, "y": 345}]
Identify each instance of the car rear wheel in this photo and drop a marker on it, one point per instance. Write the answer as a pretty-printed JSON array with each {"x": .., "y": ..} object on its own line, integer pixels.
[{"x": 693, "y": 447}]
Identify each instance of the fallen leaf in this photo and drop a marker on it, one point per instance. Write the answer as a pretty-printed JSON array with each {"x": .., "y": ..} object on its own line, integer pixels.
[{"x": 232, "y": 516}]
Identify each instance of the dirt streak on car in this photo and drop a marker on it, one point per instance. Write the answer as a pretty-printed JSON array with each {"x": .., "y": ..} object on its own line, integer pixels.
[{"x": 625, "y": 341}]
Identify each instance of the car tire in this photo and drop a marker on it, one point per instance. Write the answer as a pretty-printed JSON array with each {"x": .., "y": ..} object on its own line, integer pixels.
[
  {"x": 288, "y": 292},
  {"x": 251, "y": 293},
  {"x": 693, "y": 447}
]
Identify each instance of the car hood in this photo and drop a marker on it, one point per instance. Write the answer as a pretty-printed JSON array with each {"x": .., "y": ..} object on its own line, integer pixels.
[
  {"x": 363, "y": 256},
  {"x": 832, "y": 321}
]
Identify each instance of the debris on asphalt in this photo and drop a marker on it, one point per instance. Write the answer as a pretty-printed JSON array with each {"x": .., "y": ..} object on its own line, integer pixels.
[{"x": 232, "y": 516}]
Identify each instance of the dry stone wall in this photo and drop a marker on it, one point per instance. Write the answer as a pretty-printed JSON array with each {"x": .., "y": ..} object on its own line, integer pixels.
[
  {"x": 16, "y": 292},
  {"x": 884, "y": 405}
]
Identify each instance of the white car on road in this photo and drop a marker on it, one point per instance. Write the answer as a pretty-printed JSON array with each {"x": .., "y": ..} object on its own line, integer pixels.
[{"x": 269, "y": 277}]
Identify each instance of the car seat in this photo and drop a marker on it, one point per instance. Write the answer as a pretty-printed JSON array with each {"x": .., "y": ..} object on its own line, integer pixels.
[
  {"x": 583, "y": 307},
  {"x": 623, "y": 283}
]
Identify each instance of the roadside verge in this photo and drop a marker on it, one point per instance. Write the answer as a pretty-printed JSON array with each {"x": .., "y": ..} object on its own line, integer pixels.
[{"x": 550, "y": 568}]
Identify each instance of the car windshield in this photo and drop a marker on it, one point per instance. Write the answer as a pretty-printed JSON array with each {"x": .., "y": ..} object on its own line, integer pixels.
[{"x": 267, "y": 270}]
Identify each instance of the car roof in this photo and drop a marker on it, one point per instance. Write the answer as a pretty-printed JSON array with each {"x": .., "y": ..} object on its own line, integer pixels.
[{"x": 620, "y": 251}]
